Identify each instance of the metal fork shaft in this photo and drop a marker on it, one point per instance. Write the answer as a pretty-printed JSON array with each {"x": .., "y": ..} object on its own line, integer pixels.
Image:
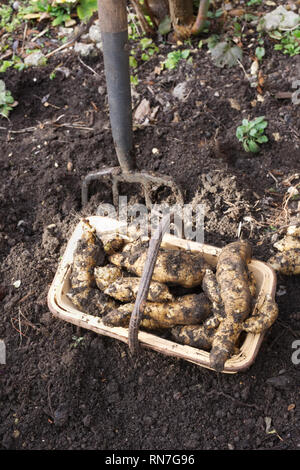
[{"x": 114, "y": 34}]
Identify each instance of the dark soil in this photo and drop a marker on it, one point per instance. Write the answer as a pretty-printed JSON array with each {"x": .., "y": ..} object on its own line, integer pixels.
[{"x": 65, "y": 388}]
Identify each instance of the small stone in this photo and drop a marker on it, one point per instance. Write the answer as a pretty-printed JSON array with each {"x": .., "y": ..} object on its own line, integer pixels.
[
  {"x": 84, "y": 50},
  {"x": 61, "y": 415},
  {"x": 17, "y": 284},
  {"x": 95, "y": 33},
  {"x": 180, "y": 91},
  {"x": 35, "y": 59},
  {"x": 65, "y": 31},
  {"x": 254, "y": 68},
  {"x": 234, "y": 104}
]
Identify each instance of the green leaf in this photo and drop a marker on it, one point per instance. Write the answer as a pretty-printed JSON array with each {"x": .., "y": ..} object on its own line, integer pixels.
[
  {"x": 254, "y": 2},
  {"x": 60, "y": 19},
  {"x": 172, "y": 60},
  {"x": 212, "y": 41},
  {"x": 5, "y": 65},
  {"x": 2, "y": 98},
  {"x": 175, "y": 55},
  {"x": 262, "y": 139},
  {"x": 151, "y": 51},
  {"x": 245, "y": 145},
  {"x": 250, "y": 17},
  {"x": 5, "y": 100},
  {"x": 259, "y": 119},
  {"x": 237, "y": 27},
  {"x": 134, "y": 80},
  {"x": 219, "y": 13},
  {"x": 86, "y": 8},
  {"x": 253, "y": 147},
  {"x": 132, "y": 62},
  {"x": 260, "y": 52},
  {"x": 9, "y": 98},
  {"x": 185, "y": 54},
  {"x": 5, "y": 111},
  {"x": 145, "y": 56},
  {"x": 145, "y": 42},
  {"x": 252, "y": 124},
  {"x": 19, "y": 66},
  {"x": 170, "y": 63},
  {"x": 275, "y": 34},
  {"x": 240, "y": 133},
  {"x": 261, "y": 125},
  {"x": 224, "y": 54},
  {"x": 252, "y": 132}
]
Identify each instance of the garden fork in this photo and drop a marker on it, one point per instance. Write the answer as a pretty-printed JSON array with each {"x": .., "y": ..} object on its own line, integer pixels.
[{"x": 114, "y": 34}]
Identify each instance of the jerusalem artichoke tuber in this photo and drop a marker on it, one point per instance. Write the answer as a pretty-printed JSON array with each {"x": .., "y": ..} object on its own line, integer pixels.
[
  {"x": 172, "y": 266},
  {"x": 186, "y": 310},
  {"x": 286, "y": 262},
  {"x": 233, "y": 281},
  {"x": 198, "y": 336},
  {"x": 264, "y": 317},
  {"x": 126, "y": 289},
  {"x": 89, "y": 253}
]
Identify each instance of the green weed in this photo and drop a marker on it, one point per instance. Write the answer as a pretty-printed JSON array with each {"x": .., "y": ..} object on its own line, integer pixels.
[
  {"x": 289, "y": 42},
  {"x": 251, "y": 133},
  {"x": 6, "y": 100},
  {"x": 173, "y": 58}
]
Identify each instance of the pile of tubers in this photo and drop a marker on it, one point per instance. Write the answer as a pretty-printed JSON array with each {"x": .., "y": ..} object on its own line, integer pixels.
[
  {"x": 287, "y": 260},
  {"x": 199, "y": 305}
]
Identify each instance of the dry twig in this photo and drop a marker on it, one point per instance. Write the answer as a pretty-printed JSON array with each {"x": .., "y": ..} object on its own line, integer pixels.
[{"x": 89, "y": 68}]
